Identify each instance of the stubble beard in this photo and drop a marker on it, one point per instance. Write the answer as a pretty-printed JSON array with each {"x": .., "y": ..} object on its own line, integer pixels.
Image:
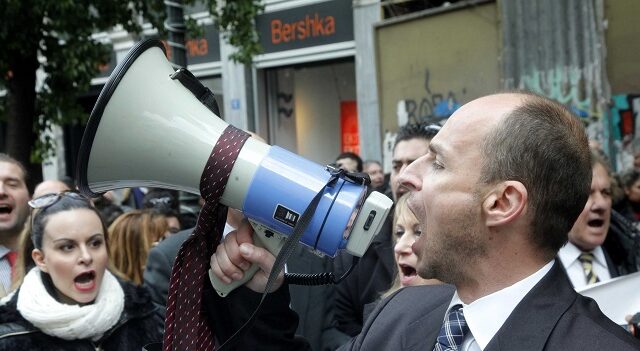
[{"x": 459, "y": 247}]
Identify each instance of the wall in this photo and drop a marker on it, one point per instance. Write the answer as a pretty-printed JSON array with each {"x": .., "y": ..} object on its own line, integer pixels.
[
  {"x": 435, "y": 62},
  {"x": 623, "y": 45},
  {"x": 623, "y": 71},
  {"x": 318, "y": 91}
]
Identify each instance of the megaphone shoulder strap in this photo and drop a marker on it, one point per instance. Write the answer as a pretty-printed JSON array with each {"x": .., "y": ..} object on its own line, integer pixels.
[
  {"x": 201, "y": 92},
  {"x": 286, "y": 251}
]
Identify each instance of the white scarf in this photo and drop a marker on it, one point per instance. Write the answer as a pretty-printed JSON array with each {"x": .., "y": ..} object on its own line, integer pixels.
[{"x": 70, "y": 322}]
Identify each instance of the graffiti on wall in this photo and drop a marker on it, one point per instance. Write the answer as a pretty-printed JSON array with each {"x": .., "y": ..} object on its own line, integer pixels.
[
  {"x": 431, "y": 106},
  {"x": 625, "y": 115},
  {"x": 625, "y": 111},
  {"x": 568, "y": 86},
  {"x": 285, "y": 107}
]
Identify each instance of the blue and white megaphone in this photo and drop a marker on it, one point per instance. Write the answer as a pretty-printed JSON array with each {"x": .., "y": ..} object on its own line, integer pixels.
[{"x": 148, "y": 130}]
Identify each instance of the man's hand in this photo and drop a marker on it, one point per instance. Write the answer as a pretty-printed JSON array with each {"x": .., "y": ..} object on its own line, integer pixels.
[{"x": 236, "y": 253}]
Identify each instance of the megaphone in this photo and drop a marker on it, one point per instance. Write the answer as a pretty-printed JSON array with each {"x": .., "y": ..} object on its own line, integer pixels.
[{"x": 148, "y": 130}]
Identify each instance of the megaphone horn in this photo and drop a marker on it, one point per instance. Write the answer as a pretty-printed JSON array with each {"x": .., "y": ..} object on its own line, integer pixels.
[{"x": 148, "y": 130}]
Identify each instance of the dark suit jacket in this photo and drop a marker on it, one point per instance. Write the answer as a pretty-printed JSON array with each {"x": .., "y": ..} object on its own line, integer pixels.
[
  {"x": 371, "y": 277},
  {"x": 160, "y": 260},
  {"x": 552, "y": 316},
  {"x": 311, "y": 303}
]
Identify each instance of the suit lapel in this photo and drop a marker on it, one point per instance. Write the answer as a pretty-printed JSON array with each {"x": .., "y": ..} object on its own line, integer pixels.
[
  {"x": 532, "y": 321},
  {"x": 422, "y": 334}
]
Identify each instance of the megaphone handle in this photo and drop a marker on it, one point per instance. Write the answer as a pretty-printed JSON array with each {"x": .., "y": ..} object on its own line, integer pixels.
[{"x": 273, "y": 242}]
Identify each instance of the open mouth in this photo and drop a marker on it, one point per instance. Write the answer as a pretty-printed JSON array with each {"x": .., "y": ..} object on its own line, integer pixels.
[
  {"x": 5, "y": 209},
  {"x": 85, "y": 281},
  {"x": 596, "y": 223},
  {"x": 407, "y": 270}
]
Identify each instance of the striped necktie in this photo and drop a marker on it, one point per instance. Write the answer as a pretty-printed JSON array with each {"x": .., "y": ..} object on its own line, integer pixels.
[
  {"x": 586, "y": 258},
  {"x": 186, "y": 325},
  {"x": 453, "y": 330}
]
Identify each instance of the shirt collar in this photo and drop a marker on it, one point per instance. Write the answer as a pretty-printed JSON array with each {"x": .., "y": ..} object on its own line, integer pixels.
[
  {"x": 569, "y": 254},
  {"x": 486, "y": 315},
  {"x": 4, "y": 250}
]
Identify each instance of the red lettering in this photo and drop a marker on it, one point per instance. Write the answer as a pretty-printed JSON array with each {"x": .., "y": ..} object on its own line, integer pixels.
[
  {"x": 317, "y": 26},
  {"x": 197, "y": 47},
  {"x": 331, "y": 25},
  {"x": 276, "y": 34},
  {"x": 294, "y": 30},
  {"x": 286, "y": 32},
  {"x": 310, "y": 26},
  {"x": 103, "y": 67},
  {"x": 302, "y": 30}
]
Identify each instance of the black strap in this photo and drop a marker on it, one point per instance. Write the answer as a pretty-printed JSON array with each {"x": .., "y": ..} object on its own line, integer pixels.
[
  {"x": 353, "y": 177},
  {"x": 286, "y": 251},
  {"x": 200, "y": 91}
]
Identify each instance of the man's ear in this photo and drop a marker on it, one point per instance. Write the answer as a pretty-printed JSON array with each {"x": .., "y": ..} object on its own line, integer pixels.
[
  {"x": 505, "y": 203},
  {"x": 38, "y": 258}
]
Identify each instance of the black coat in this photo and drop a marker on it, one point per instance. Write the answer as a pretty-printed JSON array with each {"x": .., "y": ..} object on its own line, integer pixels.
[
  {"x": 372, "y": 276},
  {"x": 139, "y": 325},
  {"x": 551, "y": 316},
  {"x": 311, "y": 303},
  {"x": 157, "y": 272}
]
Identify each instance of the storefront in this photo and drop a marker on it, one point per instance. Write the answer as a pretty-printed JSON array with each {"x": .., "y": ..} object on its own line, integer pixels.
[{"x": 305, "y": 86}]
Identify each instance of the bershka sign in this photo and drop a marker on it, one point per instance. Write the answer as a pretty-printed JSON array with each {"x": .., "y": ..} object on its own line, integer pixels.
[
  {"x": 309, "y": 27},
  {"x": 317, "y": 24}
]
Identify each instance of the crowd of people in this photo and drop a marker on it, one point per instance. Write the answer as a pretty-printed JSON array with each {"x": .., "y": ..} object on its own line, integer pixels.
[{"x": 500, "y": 215}]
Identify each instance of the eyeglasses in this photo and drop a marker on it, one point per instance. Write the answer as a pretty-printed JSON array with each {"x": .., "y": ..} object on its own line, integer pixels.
[
  {"x": 433, "y": 127},
  {"x": 161, "y": 201},
  {"x": 47, "y": 200}
]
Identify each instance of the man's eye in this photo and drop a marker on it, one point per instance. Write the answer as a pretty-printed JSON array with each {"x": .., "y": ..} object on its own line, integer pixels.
[{"x": 437, "y": 165}]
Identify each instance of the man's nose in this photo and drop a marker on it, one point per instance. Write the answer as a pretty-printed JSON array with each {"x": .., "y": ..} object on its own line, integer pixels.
[{"x": 409, "y": 178}]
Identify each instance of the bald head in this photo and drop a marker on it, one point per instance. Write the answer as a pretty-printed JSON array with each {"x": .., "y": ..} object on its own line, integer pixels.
[{"x": 50, "y": 187}]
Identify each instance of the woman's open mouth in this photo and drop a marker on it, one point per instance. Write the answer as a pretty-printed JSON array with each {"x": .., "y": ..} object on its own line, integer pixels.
[
  {"x": 85, "y": 281},
  {"x": 407, "y": 274}
]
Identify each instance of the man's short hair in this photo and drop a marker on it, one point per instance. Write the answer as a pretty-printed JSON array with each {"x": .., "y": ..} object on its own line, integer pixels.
[
  {"x": 544, "y": 146},
  {"x": 164, "y": 202},
  {"x": 352, "y": 156},
  {"x": 366, "y": 163},
  {"x": 420, "y": 130},
  {"x": 9, "y": 159}
]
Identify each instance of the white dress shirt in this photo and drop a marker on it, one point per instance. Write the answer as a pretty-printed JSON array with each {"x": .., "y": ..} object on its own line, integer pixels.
[
  {"x": 5, "y": 269},
  {"x": 486, "y": 315},
  {"x": 569, "y": 257}
]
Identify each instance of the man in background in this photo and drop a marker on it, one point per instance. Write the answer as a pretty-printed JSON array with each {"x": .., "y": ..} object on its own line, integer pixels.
[{"x": 14, "y": 211}]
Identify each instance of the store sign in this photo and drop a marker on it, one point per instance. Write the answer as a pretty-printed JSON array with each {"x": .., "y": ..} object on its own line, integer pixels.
[
  {"x": 349, "y": 127},
  {"x": 318, "y": 24},
  {"x": 201, "y": 49},
  {"x": 105, "y": 70}
]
